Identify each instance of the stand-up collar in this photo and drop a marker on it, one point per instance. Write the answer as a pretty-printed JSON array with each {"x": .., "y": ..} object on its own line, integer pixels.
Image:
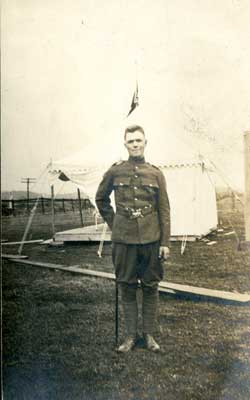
[{"x": 136, "y": 160}]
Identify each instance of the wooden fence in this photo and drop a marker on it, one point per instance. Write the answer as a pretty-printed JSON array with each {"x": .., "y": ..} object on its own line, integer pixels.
[{"x": 16, "y": 207}]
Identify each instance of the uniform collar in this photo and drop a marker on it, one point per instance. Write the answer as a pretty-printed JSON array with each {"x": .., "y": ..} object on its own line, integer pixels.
[{"x": 137, "y": 160}]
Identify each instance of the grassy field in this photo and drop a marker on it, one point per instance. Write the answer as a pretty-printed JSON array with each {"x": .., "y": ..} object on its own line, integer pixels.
[{"x": 58, "y": 328}]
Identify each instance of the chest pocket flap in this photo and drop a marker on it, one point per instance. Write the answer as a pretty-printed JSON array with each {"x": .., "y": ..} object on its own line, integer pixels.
[
  {"x": 122, "y": 181},
  {"x": 150, "y": 182}
]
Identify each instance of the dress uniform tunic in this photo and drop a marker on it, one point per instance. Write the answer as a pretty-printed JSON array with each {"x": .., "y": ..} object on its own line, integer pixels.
[
  {"x": 142, "y": 205},
  {"x": 142, "y": 217}
]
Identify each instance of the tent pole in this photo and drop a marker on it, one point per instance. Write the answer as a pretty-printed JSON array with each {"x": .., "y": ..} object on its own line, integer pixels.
[
  {"x": 28, "y": 226},
  {"x": 80, "y": 205},
  {"x": 52, "y": 212},
  {"x": 247, "y": 184}
]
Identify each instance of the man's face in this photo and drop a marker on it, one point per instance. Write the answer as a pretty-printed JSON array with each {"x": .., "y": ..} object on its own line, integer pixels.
[{"x": 135, "y": 143}]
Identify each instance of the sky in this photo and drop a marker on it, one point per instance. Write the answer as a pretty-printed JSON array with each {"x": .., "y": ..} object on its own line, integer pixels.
[{"x": 69, "y": 68}]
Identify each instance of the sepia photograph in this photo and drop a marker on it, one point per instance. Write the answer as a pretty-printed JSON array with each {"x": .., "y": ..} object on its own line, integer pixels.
[{"x": 125, "y": 200}]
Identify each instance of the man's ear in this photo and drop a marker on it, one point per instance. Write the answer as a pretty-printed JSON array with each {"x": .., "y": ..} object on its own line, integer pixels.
[{"x": 146, "y": 142}]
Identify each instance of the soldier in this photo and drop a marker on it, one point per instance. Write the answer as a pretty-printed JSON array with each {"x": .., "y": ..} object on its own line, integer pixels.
[{"x": 140, "y": 233}]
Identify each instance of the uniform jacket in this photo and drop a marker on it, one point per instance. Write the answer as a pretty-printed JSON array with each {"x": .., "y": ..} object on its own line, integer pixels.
[{"x": 142, "y": 206}]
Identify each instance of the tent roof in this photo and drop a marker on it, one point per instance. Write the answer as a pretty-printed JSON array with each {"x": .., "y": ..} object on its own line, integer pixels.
[{"x": 103, "y": 154}]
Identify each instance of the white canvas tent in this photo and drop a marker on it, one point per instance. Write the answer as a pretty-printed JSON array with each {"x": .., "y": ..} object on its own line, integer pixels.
[{"x": 189, "y": 183}]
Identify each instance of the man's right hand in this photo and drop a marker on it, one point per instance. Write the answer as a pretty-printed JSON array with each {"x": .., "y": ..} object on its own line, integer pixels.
[{"x": 164, "y": 253}]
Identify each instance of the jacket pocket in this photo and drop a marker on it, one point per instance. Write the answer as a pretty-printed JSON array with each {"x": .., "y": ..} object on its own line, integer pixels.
[
  {"x": 122, "y": 190},
  {"x": 150, "y": 184},
  {"x": 122, "y": 181}
]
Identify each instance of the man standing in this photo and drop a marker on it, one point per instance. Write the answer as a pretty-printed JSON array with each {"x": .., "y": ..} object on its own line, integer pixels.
[{"x": 140, "y": 233}]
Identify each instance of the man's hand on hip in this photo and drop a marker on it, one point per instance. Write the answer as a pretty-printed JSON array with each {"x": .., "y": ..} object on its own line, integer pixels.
[{"x": 164, "y": 252}]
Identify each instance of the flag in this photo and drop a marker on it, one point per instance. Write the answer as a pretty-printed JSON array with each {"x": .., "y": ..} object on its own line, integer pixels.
[{"x": 135, "y": 100}]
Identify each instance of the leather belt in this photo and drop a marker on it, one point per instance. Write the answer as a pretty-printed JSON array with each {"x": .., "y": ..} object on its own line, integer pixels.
[{"x": 134, "y": 213}]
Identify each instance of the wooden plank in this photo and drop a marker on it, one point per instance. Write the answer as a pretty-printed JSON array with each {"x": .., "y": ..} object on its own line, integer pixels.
[
  {"x": 94, "y": 234},
  {"x": 174, "y": 287},
  {"x": 48, "y": 241},
  {"x": 13, "y": 256},
  {"x": 81, "y": 238},
  {"x": 42, "y": 264},
  {"x": 97, "y": 274},
  {"x": 25, "y": 242},
  {"x": 88, "y": 233},
  {"x": 166, "y": 287},
  {"x": 199, "y": 291},
  {"x": 84, "y": 230}
]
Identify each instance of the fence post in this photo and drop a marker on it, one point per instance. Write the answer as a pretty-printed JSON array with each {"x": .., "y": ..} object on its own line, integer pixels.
[
  {"x": 233, "y": 200},
  {"x": 247, "y": 184},
  {"x": 72, "y": 203},
  {"x": 63, "y": 205},
  {"x": 80, "y": 205},
  {"x": 13, "y": 207},
  {"x": 28, "y": 196},
  {"x": 42, "y": 203},
  {"x": 52, "y": 212}
]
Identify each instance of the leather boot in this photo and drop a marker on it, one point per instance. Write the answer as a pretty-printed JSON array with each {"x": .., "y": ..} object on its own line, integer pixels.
[
  {"x": 149, "y": 315},
  {"x": 130, "y": 312},
  {"x": 151, "y": 344},
  {"x": 127, "y": 345}
]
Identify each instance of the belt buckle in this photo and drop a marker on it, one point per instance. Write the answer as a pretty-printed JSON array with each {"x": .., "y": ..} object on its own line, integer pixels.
[{"x": 136, "y": 214}]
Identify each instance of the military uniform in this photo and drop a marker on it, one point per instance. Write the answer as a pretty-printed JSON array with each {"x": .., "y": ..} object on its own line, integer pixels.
[
  {"x": 142, "y": 206},
  {"x": 139, "y": 226}
]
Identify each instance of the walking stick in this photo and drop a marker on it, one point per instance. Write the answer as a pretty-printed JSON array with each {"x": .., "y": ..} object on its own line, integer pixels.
[{"x": 116, "y": 313}]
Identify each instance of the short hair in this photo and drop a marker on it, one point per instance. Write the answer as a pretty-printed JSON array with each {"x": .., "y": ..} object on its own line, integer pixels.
[{"x": 133, "y": 128}]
